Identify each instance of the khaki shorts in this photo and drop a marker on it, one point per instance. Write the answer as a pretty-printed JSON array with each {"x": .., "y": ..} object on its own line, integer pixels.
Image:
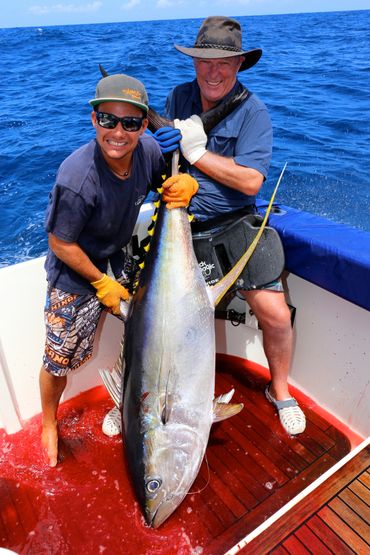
[{"x": 71, "y": 321}]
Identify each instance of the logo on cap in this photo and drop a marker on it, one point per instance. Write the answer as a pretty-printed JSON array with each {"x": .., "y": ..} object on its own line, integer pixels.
[{"x": 133, "y": 93}]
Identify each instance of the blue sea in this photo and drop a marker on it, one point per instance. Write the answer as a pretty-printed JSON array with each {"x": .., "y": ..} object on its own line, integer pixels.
[{"x": 314, "y": 76}]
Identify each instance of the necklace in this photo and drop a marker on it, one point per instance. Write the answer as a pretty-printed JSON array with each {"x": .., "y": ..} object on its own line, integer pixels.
[{"x": 122, "y": 174}]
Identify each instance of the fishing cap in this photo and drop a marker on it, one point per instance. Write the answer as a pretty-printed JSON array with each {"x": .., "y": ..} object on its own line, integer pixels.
[
  {"x": 121, "y": 88},
  {"x": 221, "y": 37}
]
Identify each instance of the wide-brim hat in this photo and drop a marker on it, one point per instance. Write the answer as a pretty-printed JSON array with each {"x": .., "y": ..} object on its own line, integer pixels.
[
  {"x": 221, "y": 37},
  {"x": 121, "y": 88}
]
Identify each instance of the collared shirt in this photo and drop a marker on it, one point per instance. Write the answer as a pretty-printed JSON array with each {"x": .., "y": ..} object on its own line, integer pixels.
[{"x": 244, "y": 135}]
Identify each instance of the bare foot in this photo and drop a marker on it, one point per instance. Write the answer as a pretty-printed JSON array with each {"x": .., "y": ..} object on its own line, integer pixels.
[{"x": 49, "y": 441}]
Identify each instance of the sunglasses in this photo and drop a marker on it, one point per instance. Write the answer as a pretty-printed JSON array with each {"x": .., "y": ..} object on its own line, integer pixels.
[{"x": 110, "y": 121}]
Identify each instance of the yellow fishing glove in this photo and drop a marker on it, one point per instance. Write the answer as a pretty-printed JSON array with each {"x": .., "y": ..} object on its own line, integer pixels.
[
  {"x": 178, "y": 190},
  {"x": 110, "y": 293}
]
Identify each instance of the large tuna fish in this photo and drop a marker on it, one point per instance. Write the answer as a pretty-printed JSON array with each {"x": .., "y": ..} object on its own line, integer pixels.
[{"x": 167, "y": 388}]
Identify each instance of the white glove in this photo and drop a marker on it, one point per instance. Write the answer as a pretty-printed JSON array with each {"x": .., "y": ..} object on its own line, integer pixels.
[{"x": 194, "y": 139}]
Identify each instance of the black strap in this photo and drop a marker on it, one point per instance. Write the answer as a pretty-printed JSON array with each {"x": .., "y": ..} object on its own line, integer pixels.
[{"x": 222, "y": 219}]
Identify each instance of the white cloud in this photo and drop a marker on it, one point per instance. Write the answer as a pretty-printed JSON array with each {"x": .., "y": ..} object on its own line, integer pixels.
[
  {"x": 66, "y": 8},
  {"x": 165, "y": 3},
  {"x": 130, "y": 5}
]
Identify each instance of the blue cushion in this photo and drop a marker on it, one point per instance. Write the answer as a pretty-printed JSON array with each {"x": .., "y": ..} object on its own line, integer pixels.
[{"x": 334, "y": 256}]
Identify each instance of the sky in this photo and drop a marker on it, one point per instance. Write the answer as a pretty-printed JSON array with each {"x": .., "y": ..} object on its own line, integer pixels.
[{"x": 40, "y": 13}]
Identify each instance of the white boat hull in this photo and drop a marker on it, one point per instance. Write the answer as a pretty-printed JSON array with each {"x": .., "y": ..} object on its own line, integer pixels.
[{"x": 330, "y": 364}]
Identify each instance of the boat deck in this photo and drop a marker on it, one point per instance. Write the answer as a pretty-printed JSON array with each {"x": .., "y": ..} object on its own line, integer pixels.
[
  {"x": 333, "y": 519},
  {"x": 86, "y": 504}
]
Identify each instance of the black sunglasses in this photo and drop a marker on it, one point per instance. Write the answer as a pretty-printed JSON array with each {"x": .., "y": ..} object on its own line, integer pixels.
[{"x": 110, "y": 121}]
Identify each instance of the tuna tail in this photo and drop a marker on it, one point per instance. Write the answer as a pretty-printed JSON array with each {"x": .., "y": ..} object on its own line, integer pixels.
[
  {"x": 209, "y": 119},
  {"x": 102, "y": 71},
  {"x": 217, "y": 291}
]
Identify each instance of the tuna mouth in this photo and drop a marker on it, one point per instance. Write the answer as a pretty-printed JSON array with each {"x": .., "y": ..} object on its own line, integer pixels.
[{"x": 162, "y": 512}]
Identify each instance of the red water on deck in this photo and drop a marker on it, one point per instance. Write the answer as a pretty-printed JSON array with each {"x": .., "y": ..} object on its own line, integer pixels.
[{"x": 86, "y": 504}]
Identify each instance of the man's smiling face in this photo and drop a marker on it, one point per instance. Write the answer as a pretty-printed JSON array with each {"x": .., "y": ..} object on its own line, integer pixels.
[
  {"x": 216, "y": 77},
  {"x": 117, "y": 143}
]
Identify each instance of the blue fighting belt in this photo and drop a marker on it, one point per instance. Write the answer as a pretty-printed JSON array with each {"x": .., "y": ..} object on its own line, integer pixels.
[{"x": 218, "y": 249}]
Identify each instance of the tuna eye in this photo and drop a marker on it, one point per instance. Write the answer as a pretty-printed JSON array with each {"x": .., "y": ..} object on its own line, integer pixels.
[{"x": 153, "y": 485}]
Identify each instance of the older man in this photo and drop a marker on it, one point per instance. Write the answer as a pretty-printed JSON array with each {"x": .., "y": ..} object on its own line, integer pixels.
[{"x": 230, "y": 166}]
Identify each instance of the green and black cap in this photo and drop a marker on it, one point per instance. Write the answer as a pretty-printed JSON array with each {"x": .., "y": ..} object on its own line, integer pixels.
[{"x": 121, "y": 88}]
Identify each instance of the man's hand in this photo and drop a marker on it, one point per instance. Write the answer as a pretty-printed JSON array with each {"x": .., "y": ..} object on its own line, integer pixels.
[
  {"x": 110, "y": 293},
  {"x": 194, "y": 138},
  {"x": 168, "y": 139},
  {"x": 178, "y": 190}
]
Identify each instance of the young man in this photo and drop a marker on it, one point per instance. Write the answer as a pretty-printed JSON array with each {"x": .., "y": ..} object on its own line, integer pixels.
[{"x": 91, "y": 215}]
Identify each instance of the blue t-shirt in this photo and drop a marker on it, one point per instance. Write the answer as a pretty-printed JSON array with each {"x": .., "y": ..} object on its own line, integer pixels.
[
  {"x": 245, "y": 135},
  {"x": 89, "y": 205}
]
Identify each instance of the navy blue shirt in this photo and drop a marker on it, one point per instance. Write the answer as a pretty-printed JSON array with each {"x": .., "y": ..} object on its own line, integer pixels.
[
  {"x": 89, "y": 205},
  {"x": 245, "y": 135}
]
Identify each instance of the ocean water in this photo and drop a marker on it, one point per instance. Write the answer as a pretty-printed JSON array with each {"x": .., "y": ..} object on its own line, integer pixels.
[{"x": 314, "y": 76}]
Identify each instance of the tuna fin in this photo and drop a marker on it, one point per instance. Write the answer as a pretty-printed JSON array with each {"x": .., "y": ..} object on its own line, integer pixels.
[
  {"x": 217, "y": 291},
  {"x": 113, "y": 379},
  {"x": 222, "y": 411},
  {"x": 225, "y": 398},
  {"x": 112, "y": 382}
]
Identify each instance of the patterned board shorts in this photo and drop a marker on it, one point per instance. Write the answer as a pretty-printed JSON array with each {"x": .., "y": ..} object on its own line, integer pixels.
[{"x": 71, "y": 321}]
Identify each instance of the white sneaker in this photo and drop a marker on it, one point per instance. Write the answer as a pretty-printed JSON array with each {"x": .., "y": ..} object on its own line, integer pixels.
[{"x": 112, "y": 423}]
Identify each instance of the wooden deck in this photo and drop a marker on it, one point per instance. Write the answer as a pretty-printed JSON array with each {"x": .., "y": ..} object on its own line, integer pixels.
[
  {"x": 335, "y": 518},
  {"x": 86, "y": 504}
]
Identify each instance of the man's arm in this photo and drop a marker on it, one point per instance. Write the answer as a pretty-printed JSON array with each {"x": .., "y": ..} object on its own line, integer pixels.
[
  {"x": 72, "y": 255},
  {"x": 108, "y": 291},
  {"x": 226, "y": 171},
  {"x": 221, "y": 168}
]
